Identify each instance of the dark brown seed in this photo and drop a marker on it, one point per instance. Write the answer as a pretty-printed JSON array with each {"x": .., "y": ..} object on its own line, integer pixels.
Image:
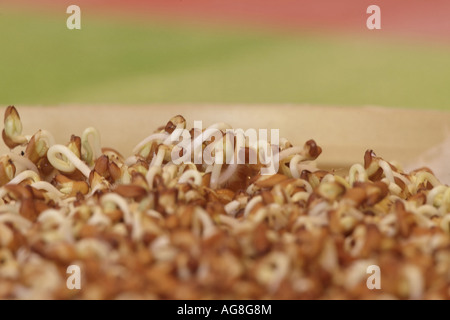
[
  {"x": 101, "y": 166},
  {"x": 271, "y": 181},
  {"x": 114, "y": 171},
  {"x": 313, "y": 150},
  {"x": 130, "y": 191},
  {"x": 356, "y": 195}
]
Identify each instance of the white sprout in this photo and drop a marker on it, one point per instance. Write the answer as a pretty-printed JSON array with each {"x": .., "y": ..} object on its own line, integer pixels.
[
  {"x": 393, "y": 187},
  {"x": 328, "y": 178},
  {"x": 319, "y": 209},
  {"x": 388, "y": 224},
  {"x": 44, "y": 185},
  {"x": 251, "y": 204},
  {"x": 251, "y": 189},
  {"x": 427, "y": 210},
  {"x": 99, "y": 218},
  {"x": 46, "y": 136},
  {"x": 357, "y": 173},
  {"x": 208, "y": 226},
  {"x": 293, "y": 165},
  {"x": 232, "y": 207},
  {"x": 215, "y": 174},
  {"x": 446, "y": 200},
  {"x": 162, "y": 249},
  {"x": 66, "y": 166},
  {"x": 289, "y": 152},
  {"x": 88, "y": 246},
  {"x": 445, "y": 223},
  {"x": 158, "y": 160},
  {"x": 387, "y": 170},
  {"x": 169, "y": 172},
  {"x": 154, "y": 214},
  {"x": 125, "y": 177},
  {"x": 91, "y": 155},
  {"x": 262, "y": 213},
  {"x": 230, "y": 221},
  {"x": 273, "y": 270},
  {"x": 227, "y": 173},
  {"x": 150, "y": 176},
  {"x": 137, "y": 231},
  {"x": 401, "y": 177},
  {"x": 191, "y": 174},
  {"x": 153, "y": 137},
  {"x": 232, "y": 167},
  {"x": 56, "y": 215},
  {"x": 310, "y": 222},
  {"x": 300, "y": 196},
  {"x": 342, "y": 181},
  {"x": 426, "y": 176},
  {"x": 102, "y": 184},
  {"x": 433, "y": 193},
  {"x": 131, "y": 160},
  {"x": 303, "y": 183},
  {"x": 355, "y": 243},
  {"x": 121, "y": 203},
  {"x": 23, "y": 162},
  {"x": 27, "y": 174}
]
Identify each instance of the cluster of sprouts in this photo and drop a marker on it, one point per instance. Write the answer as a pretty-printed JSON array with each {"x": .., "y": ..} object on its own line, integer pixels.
[{"x": 147, "y": 227}]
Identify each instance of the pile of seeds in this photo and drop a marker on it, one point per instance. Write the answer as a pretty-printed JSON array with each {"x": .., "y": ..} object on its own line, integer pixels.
[{"x": 145, "y": 227}]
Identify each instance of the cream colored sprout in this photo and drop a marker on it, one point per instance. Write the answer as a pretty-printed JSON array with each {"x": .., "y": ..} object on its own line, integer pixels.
[
  {"x": 73, "y": 162},
  {"x": 92, "y": 152}
]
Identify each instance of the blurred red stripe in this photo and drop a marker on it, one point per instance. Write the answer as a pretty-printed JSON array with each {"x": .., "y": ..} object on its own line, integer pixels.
[{"x": 410, "y": 17}]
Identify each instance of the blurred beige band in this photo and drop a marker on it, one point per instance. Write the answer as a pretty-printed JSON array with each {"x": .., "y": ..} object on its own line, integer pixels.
[{"x": 344, "y": 133}]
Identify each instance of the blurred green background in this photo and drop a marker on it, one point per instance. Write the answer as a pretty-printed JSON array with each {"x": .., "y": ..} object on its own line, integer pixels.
[{"x": 132, "y": 61}]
